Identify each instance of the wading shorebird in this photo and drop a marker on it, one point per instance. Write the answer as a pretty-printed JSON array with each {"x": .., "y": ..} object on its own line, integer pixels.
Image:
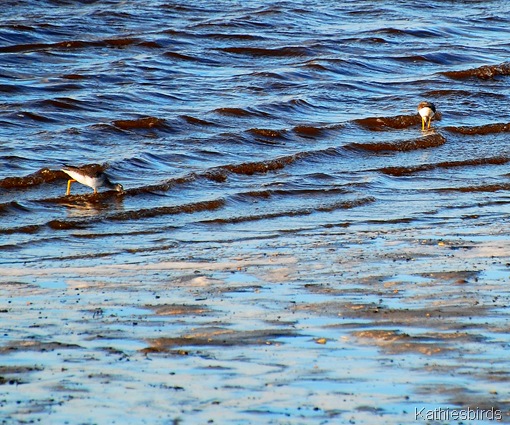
[
  {"x": 426, "y": 110},
  {"x": 91, "y": 175}
]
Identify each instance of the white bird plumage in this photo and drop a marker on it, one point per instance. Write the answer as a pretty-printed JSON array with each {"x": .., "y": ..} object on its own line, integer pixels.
[
  {"x": 426, "y": 110},
  {"x": 91, "y": 175}
]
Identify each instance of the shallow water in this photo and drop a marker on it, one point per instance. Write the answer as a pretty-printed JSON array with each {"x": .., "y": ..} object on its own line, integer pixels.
[{"x": 261, "y": 131}]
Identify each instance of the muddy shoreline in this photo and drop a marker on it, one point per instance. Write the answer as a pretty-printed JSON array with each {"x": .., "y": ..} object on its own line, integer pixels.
[{"x": 334, "y": 326}]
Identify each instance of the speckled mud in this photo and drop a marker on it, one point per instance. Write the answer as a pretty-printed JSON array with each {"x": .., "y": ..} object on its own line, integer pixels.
[{"x": 346, "y": 326}]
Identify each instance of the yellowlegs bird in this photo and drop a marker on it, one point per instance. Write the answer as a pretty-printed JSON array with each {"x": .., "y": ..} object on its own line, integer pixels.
[
  {"x": 91, "y": 175},
  {"x": 426, "y": 110}
]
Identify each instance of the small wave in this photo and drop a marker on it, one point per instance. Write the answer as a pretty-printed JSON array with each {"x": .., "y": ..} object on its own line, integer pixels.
[
  {"x": 180, "y": 56},
  {"x": 18, "y": 48},
  {"x": 13, "y": 206},
  {"x": 277, "y": 108},
  {"x": 482, "y": 188},
  {"x": 118, "y": 42},
  {"x": 11, "y": 88},
  {"x": 481, "y": 129},
  {"x": 294, "y": 213},
  {"x": 139, "y": 214},
  {"x": 401, "y": 171},
  {"x": 277, "y": 52},
  {"x": 424, "y": 32},
  {"x": 313, "y": 64},
  {"x": 251, "y": 168},
  {"x": 161, "y": 187},
  {"x": 220, "y": 174},
  {"x": 172, "y": 210},
  {"x": 268, "y": 75},
  {"x": 383, "y": 123},
  {"x": 141, "y": 123},
  {"x": 425, "y": 142},
  {"x": 418, "y": 32},
  {"x": 266, "y": 194},
  {"x": 196, "y": 121},
  {"x": 442, "y": 58},
  {"x": 390, "y": 31},
  {"x": 269, "y": 133},
  {"x": 233, "y": 36},
  {"x": 367, "y": 40},
  {"x": 74, "y": 77},
  {"x": 486, "y": 72},
  {"x": 65, "y": 225},
  {"x": 44, "y": 175},
  {"x": 308, "y": 131},
  {"x": 237, "y": 112},
  {"x": 78, "y": 44},
  {"x": 150, "y": 44},
  {"x": 466, "y": 94},
  {"x": 346, "y": 205},
  {"x": 411, "y": 58},
  {"x": 35, "y": 117},
  {"x": 29, "y": 229},
  {"x": 62, "y": 103},
  {"x": 445, "y": 58}
]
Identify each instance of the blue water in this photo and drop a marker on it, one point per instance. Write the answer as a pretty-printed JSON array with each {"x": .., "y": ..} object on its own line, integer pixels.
[{"x": 251, "y": 129}]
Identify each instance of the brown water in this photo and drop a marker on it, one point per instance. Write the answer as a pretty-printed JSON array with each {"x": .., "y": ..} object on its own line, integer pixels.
[{"x": 279, "y": 194}]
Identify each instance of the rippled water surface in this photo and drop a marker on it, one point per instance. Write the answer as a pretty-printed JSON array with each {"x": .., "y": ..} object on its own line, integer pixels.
[
  {"x": 252, "y": 118},
  {"x": 232, "y": 122}
]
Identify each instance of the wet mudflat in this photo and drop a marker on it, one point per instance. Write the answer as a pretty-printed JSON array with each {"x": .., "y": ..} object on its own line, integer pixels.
[
  {"x": 343, "y": 325},
  {"x": 290, "y": 246}
]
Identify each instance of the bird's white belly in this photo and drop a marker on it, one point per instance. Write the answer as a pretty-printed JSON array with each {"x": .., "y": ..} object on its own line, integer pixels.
[
  {"x": 92, "y": 182},
  {"x": 426, "y": 112}
]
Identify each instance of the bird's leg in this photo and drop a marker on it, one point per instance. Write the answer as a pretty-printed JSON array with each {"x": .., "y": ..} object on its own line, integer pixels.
[
  {"x": 423, "y": 123},
  {"x": 69, "y": 186},
  {"x": 430, "y": 120},
  {"x": 95, "y": 191}
]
